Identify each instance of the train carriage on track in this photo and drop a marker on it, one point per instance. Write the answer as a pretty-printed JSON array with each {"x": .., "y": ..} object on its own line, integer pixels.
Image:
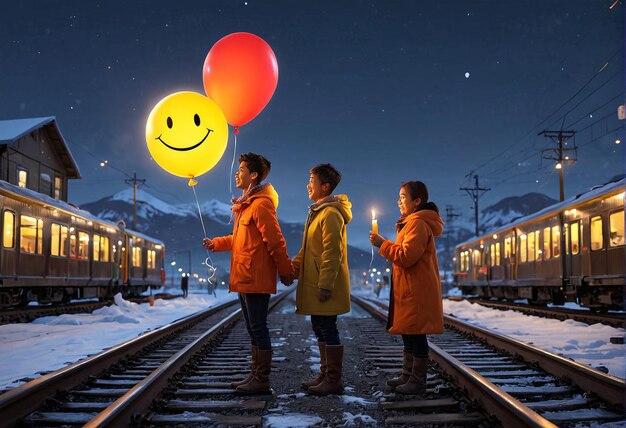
[
  {"x": 52, "y": 251},
  {"x": 524, "y": 259}
]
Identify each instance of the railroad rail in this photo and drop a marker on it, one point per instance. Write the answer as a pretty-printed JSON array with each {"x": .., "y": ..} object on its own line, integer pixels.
[
  {"x": 18, "y": 403},
  {"x": 587, "y": 317},
  {"x": 30, "y": 313},
  {"x": 518, "y": 383}
]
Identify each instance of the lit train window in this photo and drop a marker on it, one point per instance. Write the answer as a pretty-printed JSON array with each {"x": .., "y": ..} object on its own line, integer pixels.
[
  {"x": 507, "y": 248},
  {"x": 574, "y": 241},
  {"x": 497, "y": 258},
  {"x": 492, "y": 255},
  {"x": 476, "y": 258},
  {"x": 556, "y": 241},
  {"x": 566, "y": 233},
  {"x": 616, "y": 224},
  {"x": 58, "y": 240},
  {"x": 83, "y": 245},
  {"x": 595, "y": 229},
  {"x": 101, "y": 248},
  {"x": 467, "y": 264},
  {"x": 8, "y": 240},
  {"x": 31, "y": 234},
  {"x": 151, "y": 259},
  {"x": 546, "y": 243},
  {"x": 532, "y": 246},
  {"x": 137, "y": 256},
  {"x": 523, "y": 253}
]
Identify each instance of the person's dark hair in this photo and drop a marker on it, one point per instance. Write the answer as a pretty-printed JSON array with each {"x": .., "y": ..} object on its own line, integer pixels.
[
  {"x": 327, "y": 174},
  {"x": 256, "y": 163},
  {"x": 417, "y": 189}
]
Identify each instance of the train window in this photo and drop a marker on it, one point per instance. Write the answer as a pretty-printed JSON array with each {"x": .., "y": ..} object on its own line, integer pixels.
[
  {"x": 595, "y": 228},
  {"x": 574, "y": 238},
  {"x": 546, "y": 243},
  {"x": 507, "y": 248},
  {"x": 137, "y": 256},
  {"x": 58, "y": 240},
  {"x": 462, "y": 261},
  {"x": 523, "y": 248},
  {"x": 83, "y": 245},
  {"x": 467, "y": 261},
  {"x": 8, "y": 240},
  {"x": 492, "y": 255},
  {"x": 22, "y": 177},
  {"x": 151, "y": 259},
  {"x": 616, "y": 224},
  {"x": 476, "y": 258},
  {"x": 566, "y": 233},
  {"x": 31, "y": 230},
  {"x": 497, "y": 256},
  {"x": 556, "y": 241},
  {"x": 101, "y": 248},
  {"x": 532, "y": 246}
]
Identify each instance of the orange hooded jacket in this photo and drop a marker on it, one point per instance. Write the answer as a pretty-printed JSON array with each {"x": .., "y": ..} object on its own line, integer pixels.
[
  {"x": 415, "y": 305},
  {"x": 257, "y": 244}
]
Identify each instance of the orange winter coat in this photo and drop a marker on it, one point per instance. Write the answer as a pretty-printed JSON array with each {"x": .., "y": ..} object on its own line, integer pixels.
[
  {"x": 257, "y": 244},
  {"x": 415, "y": 305}
]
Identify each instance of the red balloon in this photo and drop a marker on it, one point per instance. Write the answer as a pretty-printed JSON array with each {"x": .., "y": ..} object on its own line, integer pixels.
[{"x": 240, "y": 74}]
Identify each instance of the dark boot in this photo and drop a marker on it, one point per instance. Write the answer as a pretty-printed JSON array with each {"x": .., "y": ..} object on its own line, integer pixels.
[
  {"x": 332, "y": 383},
  {"x": 255, "y": 349},
  {"x": 260, "y": 382},
  {"x": 320, "y": 377},
  {"x": 407, "y": 364},
  {"x": 417, "y": 382}
]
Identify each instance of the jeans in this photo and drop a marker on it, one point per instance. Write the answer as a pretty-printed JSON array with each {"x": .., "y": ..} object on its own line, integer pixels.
[
  {"x": 416, "y": 344},
  {"x": 325, "y": 328},
  {"x": 254, "y": 307}
]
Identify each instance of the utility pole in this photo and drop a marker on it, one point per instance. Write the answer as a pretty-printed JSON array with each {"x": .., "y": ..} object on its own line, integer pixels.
[
  {"x": 561, "y": 156},
  {"x": 134, "y": 182},
  {"x": 475, "y": 193}
]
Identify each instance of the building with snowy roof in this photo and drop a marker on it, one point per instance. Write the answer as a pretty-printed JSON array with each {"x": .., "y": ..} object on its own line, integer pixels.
[{"x": 34, "y": 155}]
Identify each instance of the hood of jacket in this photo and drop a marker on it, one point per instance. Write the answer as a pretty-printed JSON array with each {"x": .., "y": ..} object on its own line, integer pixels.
[
  {"x": 266, "y": 192},
  {"x": 432, "y": 219},
  {"x": 340, "y": 202}
]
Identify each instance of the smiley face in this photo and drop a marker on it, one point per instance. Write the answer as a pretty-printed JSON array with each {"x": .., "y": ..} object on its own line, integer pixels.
[{"x": 186, "y": 134}]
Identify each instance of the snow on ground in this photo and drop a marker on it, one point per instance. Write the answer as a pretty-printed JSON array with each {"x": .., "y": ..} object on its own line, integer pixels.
[
  {"x": 50, "y": 343},
  {"x": 586, "y": 344}
]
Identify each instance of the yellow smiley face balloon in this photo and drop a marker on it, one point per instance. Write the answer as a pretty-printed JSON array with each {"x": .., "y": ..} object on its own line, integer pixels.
[{"x": 186, "y": 134}]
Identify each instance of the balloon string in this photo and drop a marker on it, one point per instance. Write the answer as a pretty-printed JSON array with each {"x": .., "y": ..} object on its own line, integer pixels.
[
  {"x": 208, "y": 261},
  {"x": 232, "y": 164}
]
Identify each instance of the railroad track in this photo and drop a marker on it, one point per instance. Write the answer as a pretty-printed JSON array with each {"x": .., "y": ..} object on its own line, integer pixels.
[
  {"x": 30, "y": 313},
  {"x": 519, "y": 384},
  {"x": 587, "y": 317}
]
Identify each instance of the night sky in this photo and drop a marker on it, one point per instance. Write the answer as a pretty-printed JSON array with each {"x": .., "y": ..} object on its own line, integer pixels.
[{"x": 387, "y": 91}]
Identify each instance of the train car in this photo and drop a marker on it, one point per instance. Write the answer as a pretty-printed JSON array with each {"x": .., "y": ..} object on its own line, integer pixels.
[
  {"x": 52, "y": 251},
  {"x": 524, "y": 259}
]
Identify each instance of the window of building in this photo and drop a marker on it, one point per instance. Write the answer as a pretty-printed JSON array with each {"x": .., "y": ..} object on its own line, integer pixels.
[
  {"x": 595, "y": 229},
  {"x": 151, "y": 259},
  {"x": 31, "y": 235},
  {"x": 58, "y": 240},
  {"x": 8, "y": 240},
  {"x": 57, "y": 187},
  {"x": 556, "y": 241},
  {"x": 22, "y": 177},
  {"x": 546, "y": 243},
  {"x": 616, "y": 225},
  {"x": 532, "y": 246},
  {"x": 523, "y": 246},
  {"x": 101, "y": 250},
  {"x": 574, "y": 238},
  {"x": 137, "y": 256},
  {"x": 45, "y": 184},
  {"x": 73, "y": 244},
  {"x": 83, "y": 245}
]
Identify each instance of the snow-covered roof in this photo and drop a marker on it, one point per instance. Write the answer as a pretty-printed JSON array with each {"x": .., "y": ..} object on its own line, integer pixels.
[
  {"x": 556, "y": 208},
  {"x": 14, "y": 129},
  {"x": 72, "y": 209}
]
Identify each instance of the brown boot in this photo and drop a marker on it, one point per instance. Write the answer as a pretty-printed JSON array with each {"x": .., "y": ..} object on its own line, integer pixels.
[
  {"x": 332, "y": 383},
  {"x": 407, "y": 364},
  {"x": 320, "y": 377},
  {"x": 417, "y": 382},
  {"x": 255, "y": 349},
  {"x": 260, "y": 382}
]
